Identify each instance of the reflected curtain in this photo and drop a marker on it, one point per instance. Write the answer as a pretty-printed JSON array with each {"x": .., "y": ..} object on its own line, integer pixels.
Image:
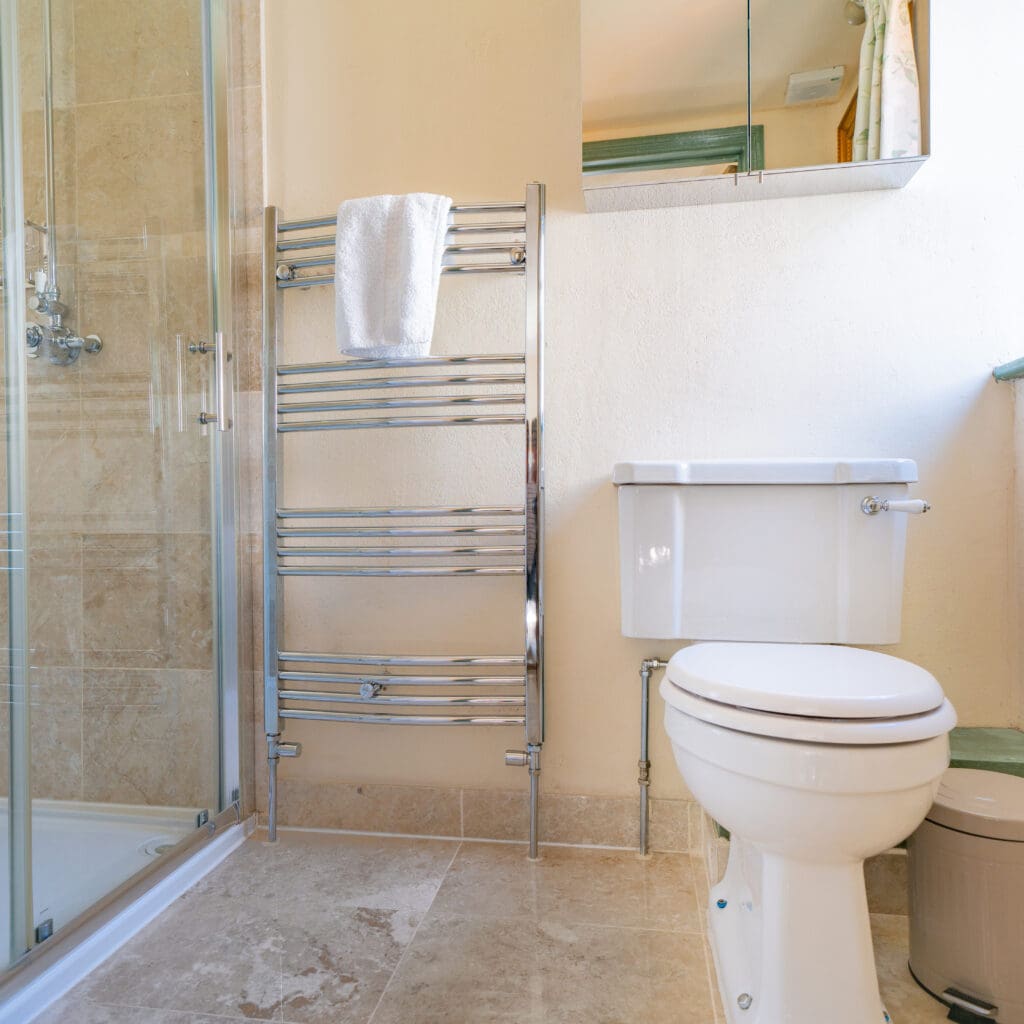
[{"x": 888, "y": 120}]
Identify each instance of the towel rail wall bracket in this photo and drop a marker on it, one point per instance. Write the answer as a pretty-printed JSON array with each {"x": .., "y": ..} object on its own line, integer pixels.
[{"x": 361, "y": 689}]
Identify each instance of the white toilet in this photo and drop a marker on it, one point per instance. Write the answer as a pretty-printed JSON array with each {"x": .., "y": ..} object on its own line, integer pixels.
[{"x": 813, "y": 756}]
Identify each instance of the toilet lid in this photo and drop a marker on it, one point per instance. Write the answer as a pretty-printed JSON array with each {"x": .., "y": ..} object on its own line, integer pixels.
[
  {"x": 980, "y": 803},
  {"x": 806, "y": 680},
  {"x": 846, "y": 731}
]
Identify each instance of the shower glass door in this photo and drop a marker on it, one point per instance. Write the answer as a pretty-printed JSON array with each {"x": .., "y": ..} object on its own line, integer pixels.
[{"x": 119, "y": 735}]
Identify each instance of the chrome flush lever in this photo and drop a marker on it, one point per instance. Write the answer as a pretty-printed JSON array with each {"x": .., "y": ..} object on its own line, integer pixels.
[{"x": 912, "y": 506}]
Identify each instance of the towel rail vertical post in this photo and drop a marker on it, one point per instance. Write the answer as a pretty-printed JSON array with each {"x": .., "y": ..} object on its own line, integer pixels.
[
  {"x": 534, "y": 604},
  {"x": 271, "y": 460}
]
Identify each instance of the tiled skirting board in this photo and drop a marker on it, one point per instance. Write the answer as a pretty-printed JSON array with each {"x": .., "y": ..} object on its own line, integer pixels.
[
  {"x": 482, "y": 814},
  {"x": 676, "y": 826}
]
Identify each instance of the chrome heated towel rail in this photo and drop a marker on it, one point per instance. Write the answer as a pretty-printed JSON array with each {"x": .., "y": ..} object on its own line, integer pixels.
[{"x": 414, "y": 541}]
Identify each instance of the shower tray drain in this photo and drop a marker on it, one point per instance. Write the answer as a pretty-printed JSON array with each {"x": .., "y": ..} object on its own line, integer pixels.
[{"x": 157, "y": 845}]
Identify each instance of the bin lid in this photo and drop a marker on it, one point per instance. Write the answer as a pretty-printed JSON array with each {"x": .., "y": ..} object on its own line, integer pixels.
[{"x": 980, "y": 803}]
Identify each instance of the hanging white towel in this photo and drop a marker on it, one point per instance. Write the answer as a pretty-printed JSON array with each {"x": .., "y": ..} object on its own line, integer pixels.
[{"x": 387, "y": 266}]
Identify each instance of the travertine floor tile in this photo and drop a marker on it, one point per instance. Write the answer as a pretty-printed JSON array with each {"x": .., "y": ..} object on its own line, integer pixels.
[
  {"x": 905, "y": 1000},
  {"x": 337, "y": 929},
  {"x": 476, "y": 970},
  {"x": 359, "y": 871},
  {"x": 205, "y": 953},
  {"x": 337, "y": 961},
  {"x": 573, "y": 886}
]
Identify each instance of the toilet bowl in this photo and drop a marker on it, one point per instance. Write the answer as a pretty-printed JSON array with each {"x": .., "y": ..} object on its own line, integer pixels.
[
  {"x": 807, "y": 798},
  {"x": 813, "y": 755}
]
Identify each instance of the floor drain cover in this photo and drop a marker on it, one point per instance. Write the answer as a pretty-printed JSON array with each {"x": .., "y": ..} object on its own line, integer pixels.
[{"x": 157, "y": 845}]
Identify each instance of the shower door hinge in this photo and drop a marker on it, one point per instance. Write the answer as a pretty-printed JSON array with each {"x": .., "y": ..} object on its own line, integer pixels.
[
  {"x": 236, "y": 795},
  {"x": 202, "y": 818},
  {"x": 44, "y": 930}
]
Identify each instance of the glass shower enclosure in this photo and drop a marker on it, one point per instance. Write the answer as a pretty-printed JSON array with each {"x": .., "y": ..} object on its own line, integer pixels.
[{"x": 118, "y": 681}]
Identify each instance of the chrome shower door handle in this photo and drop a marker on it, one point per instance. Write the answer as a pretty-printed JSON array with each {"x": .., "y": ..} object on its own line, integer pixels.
[{"x": 222, "y": 390}]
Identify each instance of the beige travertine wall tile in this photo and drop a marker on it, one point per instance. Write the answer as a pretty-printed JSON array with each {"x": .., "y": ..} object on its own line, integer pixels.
[
  {"x": 247, "y": 298},
  {"x": 55, "y": 724},
  {"x": 55, "y": 599},
  {"x": 125, "y": 51},
  {"x": 372, "y": 808},
  {"x": 147, "y": 600},
  {"x": 245, "y": 118},
  {"x": 244, "y": 42},
  {"x": 150, "y": 737},
  {"x": 140, "y": 167},
  {"x": 54, "y": 458},
  {"x": 886, "y": 879},
  {"x": 669, "y": 825}
]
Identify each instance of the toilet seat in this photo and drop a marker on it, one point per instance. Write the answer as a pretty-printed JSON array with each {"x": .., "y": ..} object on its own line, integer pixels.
[{"x": 807, "y": 692}]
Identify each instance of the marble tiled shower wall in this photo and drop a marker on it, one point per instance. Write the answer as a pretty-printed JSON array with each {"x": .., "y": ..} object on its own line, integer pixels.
[{"x": 124, "y": 698}]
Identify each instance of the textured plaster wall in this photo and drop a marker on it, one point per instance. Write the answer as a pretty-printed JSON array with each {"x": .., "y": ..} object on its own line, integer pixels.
[{"x": 858, "y": 325}]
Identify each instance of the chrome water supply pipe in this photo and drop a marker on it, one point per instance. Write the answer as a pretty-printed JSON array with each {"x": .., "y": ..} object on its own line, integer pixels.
[{"x": 647, "y": 666}]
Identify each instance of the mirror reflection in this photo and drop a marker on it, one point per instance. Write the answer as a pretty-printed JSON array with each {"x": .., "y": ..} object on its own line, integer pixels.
[{"x": 667, "y": 85}]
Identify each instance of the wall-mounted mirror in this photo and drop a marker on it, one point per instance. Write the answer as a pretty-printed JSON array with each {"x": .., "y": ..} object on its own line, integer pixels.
[{"x": 694, "y": 101}]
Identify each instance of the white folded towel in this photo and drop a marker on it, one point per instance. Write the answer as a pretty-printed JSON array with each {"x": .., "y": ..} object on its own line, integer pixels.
[{"x": 387, "y": 266}]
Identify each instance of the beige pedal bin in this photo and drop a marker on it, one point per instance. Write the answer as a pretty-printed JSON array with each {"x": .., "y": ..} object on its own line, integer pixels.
[{"x": 966, "y": 873}]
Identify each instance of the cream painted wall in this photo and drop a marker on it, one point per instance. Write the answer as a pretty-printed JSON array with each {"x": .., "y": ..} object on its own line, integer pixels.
[{"x": 856, "y": 324}]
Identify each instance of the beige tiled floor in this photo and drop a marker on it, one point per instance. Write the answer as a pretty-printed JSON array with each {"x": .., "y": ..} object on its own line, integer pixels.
[{"x": 360, "y": 930}]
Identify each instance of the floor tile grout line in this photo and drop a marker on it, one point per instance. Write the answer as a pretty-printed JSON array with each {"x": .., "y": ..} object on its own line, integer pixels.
[
  {"x": 416, "y": 931},
  {"x": 185, "y": 1014}
]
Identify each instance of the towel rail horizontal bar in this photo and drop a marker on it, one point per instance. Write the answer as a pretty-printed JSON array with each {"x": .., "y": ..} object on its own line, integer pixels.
[
  {"x": 325, "y": 241},
  {"x": 412, "y": 571},
  {"x": 331, "y": 220},
  {"x": 398, "y": 422},
  {"x": 348, "y": 365},
  {"x": 375, "y": 383},
  {"x": 513, "y": 249},
  {"x": 370, "y": 719},
  {"x": 399, "y": 700},
  {"x": 357, "y": 680},
  {"x": 438, "y": 402},
  {"x": 398, "y": 511},
  {"x": 451, "y": 268},
  {"x": 284, "y": 532},
  {"x": 495, "y": 550},
  {"x": 409, "y": 660}
]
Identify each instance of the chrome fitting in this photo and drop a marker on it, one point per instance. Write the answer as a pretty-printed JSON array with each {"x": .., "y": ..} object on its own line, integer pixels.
[
  {"x": 517, "y": 758},
  {"x": 289, "y": 749},
  {"x": 871, "y": 506}
]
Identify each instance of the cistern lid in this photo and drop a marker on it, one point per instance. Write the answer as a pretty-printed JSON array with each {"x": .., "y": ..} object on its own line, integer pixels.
[
  {"x": 980, "y": 803},
  {"x": 767, "y": 471},
  {"x": 808, "y": 680}
]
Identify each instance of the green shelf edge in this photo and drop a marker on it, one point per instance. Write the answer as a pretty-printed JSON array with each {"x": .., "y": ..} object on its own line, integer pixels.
[{"x": 989, "y": 749}]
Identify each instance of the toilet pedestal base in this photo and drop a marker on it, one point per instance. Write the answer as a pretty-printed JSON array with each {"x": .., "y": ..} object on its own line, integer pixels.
[{"x": 792, "y": 941}]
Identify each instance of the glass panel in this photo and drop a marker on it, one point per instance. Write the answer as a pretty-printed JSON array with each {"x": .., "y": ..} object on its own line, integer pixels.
[
  {"x": 664, "y": 89},
  {"x": 16, "y": 856},
  {"x": 121, "y": 609}
]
